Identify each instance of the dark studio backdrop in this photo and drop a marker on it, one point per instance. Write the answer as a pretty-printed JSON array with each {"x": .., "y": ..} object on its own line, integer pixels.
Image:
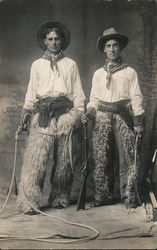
[{"x": 87, "y": 19}]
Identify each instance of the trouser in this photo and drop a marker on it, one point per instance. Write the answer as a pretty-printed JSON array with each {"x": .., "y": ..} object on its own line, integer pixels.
[
  {"x": 41, "y": 142},
  {"x": 108, "y": 126}
]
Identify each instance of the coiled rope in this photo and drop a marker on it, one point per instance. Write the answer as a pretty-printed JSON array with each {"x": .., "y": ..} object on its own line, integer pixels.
[
  {"x": 136, "y": 191},
  {"x": 45, "y": 238},
  {"x": 13, "y": 175}
]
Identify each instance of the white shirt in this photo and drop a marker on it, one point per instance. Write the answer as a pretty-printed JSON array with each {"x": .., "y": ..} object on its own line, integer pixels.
[
  {"x": 123, "y": 85},
  {"x": 46, "y": 82}
]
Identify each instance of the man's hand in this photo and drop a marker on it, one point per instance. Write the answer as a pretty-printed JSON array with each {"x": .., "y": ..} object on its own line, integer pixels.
[
  {"x": 25, "y": 120},
  {"x": 139, "y": 130},
  {"x": 83, "y": 118},
  {"x": 89, "y": 115}
]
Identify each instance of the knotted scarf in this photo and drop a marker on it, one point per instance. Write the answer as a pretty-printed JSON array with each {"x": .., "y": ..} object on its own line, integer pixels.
[
  {"x": 53, "y": 60},
  {"x": 112, "y": 68}
]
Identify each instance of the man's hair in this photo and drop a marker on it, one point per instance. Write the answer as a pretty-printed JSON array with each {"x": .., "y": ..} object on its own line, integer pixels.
[{"x": 56, "y": 30}]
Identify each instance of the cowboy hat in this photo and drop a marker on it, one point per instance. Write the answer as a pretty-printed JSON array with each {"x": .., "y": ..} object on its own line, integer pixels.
[
  {"x": 111, "y": 34},
  {"x": 64, "y": 30}
]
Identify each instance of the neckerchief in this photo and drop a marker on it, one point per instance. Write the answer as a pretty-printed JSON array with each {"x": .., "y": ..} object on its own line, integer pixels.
[
  {"x": 112, "y": 68},
  {"x": 53, "y": 60}
]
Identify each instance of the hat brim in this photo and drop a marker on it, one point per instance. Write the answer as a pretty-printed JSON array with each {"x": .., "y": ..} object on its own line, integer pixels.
[
  {"x": 65, "y": 31},
  {"x": 121, "y": 38}
]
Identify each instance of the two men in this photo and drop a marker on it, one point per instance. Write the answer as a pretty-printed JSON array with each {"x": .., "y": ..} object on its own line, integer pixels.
[
  {"x": 116, "y": 105},
  {"x": 54, "y": 102}
]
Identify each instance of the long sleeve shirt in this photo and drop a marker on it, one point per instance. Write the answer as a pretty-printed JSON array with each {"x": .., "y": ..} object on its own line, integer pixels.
[
  {"x": 46, "y": 82},
  {"x": 124, "y": 85}
]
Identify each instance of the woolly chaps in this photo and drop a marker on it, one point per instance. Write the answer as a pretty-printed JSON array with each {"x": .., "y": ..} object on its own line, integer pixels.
[
  {"x": 110, "y": 129},
  {"x": 57, "y": 138}
]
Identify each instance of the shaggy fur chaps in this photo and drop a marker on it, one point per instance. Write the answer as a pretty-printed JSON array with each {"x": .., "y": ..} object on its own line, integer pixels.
[{"x": 40, "y": 142}]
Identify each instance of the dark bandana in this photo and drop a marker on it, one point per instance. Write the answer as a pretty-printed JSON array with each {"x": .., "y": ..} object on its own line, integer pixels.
[
  {"x": 53, "y": 60},
  {"x": 112, "y": 68}
]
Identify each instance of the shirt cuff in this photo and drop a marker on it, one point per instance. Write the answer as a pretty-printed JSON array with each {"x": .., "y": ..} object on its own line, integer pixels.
[
  {"x": 29, "y": 106},
  {"x": 92, "y": 105},
  {"x": 80, "y": 109}
]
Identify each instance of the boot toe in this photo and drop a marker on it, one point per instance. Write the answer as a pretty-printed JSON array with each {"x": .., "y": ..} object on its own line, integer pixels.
[{"x": 102, "y": 203}]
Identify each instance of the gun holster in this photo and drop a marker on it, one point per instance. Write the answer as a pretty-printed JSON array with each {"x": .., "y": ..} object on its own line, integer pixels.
[
  {"x": 122, "y": 108},
  {"x": 44, "y": 114},
  {"x": 51, "y": 107}
]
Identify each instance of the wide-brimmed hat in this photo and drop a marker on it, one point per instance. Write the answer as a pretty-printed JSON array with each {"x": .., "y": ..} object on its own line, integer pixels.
[
  {"x": 64, "y": 30},
  {"x": 111, "y": 34}
]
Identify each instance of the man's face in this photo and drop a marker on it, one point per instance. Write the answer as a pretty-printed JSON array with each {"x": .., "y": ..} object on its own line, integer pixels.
[
  {"x": 53, "y": 42},
  {"x": 112, "y": 49}
]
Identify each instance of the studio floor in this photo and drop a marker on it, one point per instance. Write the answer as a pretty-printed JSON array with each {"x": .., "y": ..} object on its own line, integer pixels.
[{"x": 118, "y": 227}]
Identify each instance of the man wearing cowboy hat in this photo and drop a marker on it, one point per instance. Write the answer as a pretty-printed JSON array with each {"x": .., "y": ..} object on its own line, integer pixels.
[
  {"x": 116, "y": 104},
  {"x": 54, "y": 102}
]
